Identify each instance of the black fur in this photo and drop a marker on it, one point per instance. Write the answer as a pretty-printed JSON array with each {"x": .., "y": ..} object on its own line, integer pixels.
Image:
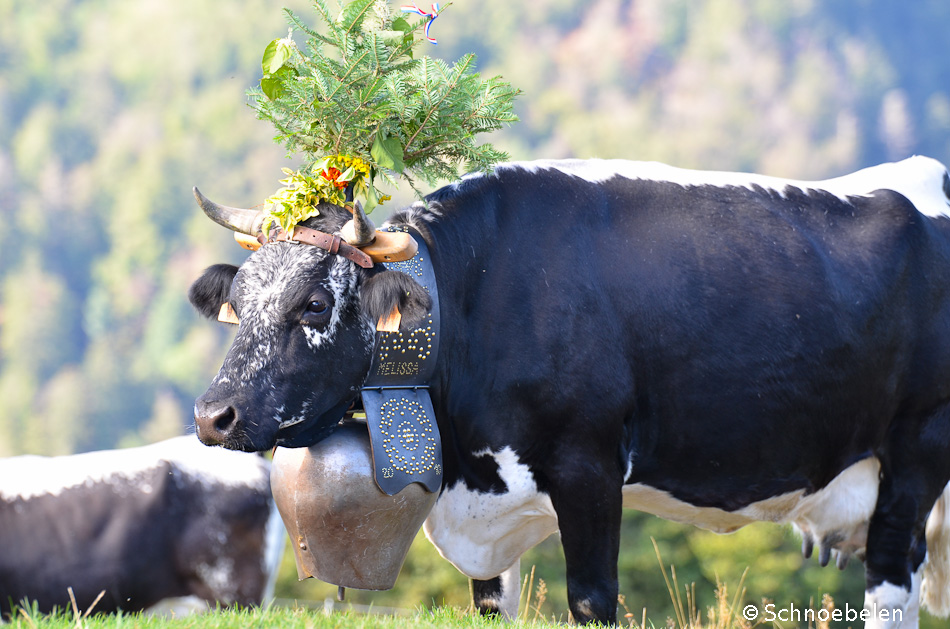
[
  {"x": 212, "y": 289},
  {"x": 388, "y": 289},
  {"x": 486, "y": 595}
]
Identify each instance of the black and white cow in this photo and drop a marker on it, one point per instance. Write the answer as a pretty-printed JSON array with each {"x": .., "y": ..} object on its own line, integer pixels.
[
  {"x": 169, "y": 520},
  {"x": 714, "y": 348}
]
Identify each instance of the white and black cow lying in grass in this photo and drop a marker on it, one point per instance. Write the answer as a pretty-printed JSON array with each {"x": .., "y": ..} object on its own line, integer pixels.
[
  {"x": 169, "y": 520},
  {"x": 714, "y": 348}
]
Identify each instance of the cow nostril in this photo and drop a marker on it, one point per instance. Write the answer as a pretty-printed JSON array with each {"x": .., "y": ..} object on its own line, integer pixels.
[
  {"x": 214, "y": 421},
  {"x": 224, "y": 419}
]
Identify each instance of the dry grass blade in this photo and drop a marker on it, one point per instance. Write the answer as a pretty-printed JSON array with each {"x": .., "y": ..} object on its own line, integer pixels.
[
  {"x": 692, "y": 607},
  {"x": 80, "y": 616},
  {"x": 674, "y": 594},
  {"x": 76, "y": 614},
  {"x": 521, "y": 594},
  {"x": 681, "y": 612},
  {"x": 94, "y": 603},
  {"x": 27, "y": 617},
  {"x": 527, "y": 602},
  {"x": 740, "y": 593},
  {"x": 541, "y": 595}
]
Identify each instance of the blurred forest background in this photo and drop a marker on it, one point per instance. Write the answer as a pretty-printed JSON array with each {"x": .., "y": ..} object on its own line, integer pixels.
[{"x": 110, "y": 111}]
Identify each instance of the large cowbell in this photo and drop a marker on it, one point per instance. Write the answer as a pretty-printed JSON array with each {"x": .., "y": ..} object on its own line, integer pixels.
[
  {"x": 403, "y": 432},
  {"x": 344, "y": 530}
]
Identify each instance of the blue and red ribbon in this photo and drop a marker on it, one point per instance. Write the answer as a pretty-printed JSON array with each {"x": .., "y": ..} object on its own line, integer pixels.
[{"x": 426, "y": 14}]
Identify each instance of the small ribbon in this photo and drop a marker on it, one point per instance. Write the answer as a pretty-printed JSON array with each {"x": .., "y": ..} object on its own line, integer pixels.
[{"x": 431, "y": 16}]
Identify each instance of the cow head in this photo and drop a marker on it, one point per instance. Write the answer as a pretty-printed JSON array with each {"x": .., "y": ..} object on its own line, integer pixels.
[{"x": 305, "y": 335}]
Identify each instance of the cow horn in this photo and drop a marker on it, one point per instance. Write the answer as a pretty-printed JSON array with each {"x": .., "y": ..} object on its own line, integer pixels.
[
  {"x": 236, "y": 219},
  {"x": 359, "y": 230}
]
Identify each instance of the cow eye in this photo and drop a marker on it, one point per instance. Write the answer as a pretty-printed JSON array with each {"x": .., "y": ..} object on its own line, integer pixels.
[
  {"x": 316, "y": 312},
  {"x": 317, "y": 307}
]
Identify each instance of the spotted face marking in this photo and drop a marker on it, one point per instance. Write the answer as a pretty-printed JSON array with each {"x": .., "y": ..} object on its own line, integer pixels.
[
  {"x": 341, "y": 282},
  {"x": 302, "y": 348},
  {"x": 280, "y": 290}
]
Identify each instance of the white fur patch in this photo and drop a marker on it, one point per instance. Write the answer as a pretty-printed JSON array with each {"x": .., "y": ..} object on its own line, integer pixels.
[
  {"x": 886, "y": 604},
  {"x": 30, "y": 476},
  {"x": 341, "y": 282},
  {"x": 296, "y": 419},
  {"x": 265, "y": 278},
  {"x": 918, "y": 178},
  {"x": 842, "y": 507},
  {"x": 583, "y": 606},
  {"x": 220, "y": 578},
  {"x": 510, "y": 591},
  {"x": 178, "y": 607},
  {"x": 912, "y": 611},
  {"x": 484, "y": 534}
]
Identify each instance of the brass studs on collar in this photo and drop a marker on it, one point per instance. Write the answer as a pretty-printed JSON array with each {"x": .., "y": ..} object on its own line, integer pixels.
[{"x": 408, "y": 439}]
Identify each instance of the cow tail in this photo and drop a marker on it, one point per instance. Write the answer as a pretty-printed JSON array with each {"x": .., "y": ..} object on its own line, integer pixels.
[
  {"x": 935, "y": 586},
  {"x": 275, "y": 537}
]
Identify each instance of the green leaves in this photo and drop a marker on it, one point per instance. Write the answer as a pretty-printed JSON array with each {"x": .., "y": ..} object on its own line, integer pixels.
[
  {"x": 388, "y": 153},
  {"x": 275, "y": 66},
  {"x": 358, "y": 91},
  {"x": 276, "y": 54}
]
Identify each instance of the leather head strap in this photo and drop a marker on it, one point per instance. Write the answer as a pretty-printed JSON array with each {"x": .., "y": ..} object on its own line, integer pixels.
[{"x": 328, "y": 242}]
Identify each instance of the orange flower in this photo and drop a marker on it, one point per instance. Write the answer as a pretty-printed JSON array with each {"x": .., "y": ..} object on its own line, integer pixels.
[{"x": 332, "y": 174}]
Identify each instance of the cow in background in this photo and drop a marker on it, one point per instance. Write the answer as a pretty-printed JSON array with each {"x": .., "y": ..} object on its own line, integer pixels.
[{"x": 170, "y": 520}]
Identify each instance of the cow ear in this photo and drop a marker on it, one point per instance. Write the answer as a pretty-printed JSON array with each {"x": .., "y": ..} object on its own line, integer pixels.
[
  {"x": 213, "y": 289},
  {"x": 395, "y": 297}
]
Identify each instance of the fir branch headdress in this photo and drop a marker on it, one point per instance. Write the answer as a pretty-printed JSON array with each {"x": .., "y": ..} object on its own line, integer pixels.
[{"x": 363, "y": 109}]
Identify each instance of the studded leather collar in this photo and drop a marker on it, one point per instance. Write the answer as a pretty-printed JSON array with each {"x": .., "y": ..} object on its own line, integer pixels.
[{"x": 403, "y": 431}]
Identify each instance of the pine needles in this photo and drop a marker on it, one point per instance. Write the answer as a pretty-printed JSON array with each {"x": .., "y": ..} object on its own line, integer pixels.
[{"x": 359, "y": 90}]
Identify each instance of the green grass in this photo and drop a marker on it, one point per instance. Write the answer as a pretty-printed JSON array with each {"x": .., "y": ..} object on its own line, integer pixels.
[
  {"x": 688, "y": 614},
  {"x": 275, "y": 617}
]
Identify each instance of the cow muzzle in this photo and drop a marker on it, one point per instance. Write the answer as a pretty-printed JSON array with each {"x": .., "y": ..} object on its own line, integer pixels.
[{"x": 218, "y": 424}]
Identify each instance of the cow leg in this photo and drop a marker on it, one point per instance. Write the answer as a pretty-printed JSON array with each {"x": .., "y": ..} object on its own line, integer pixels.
[
  {"x": 499, "y": 596},
  {"x": 588, "y": 514},
  {"x": 894, "y": 560},
  {"x": 913, "y": 475}
]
